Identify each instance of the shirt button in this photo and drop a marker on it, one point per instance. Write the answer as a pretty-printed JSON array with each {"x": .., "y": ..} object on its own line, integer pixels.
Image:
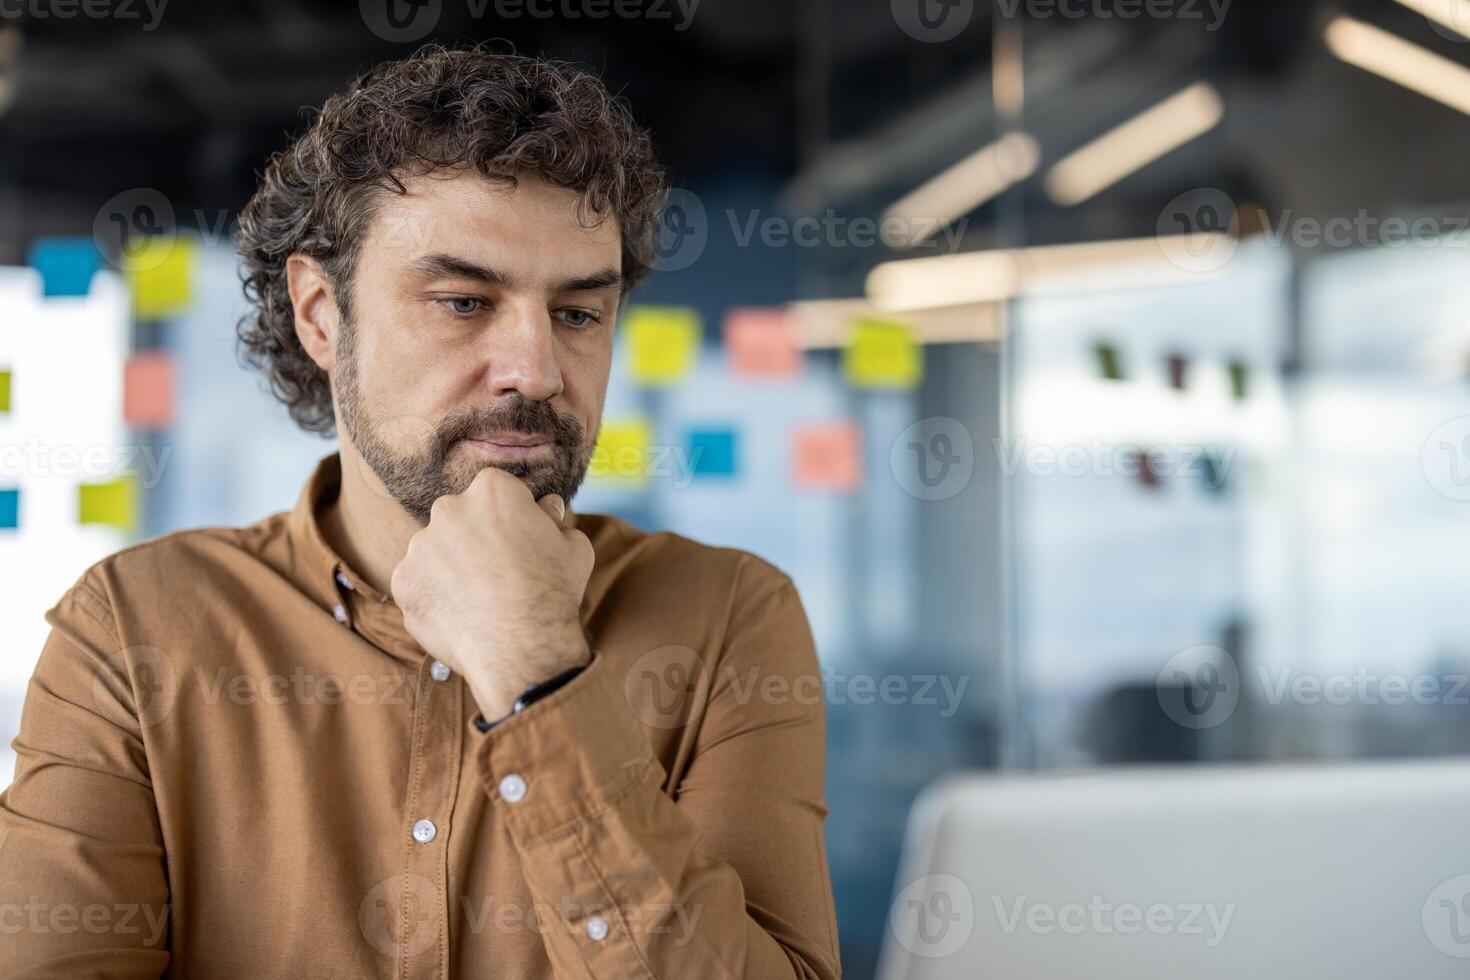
[
  {"x": 339, "y": 611},
  {"x": 512, "y": 788},
  {"x": 424, "y": 831},
  {"x": 596, "y": 929},
  {"x": 344, "y": 581},
  {"x": 439, "y": 670}
]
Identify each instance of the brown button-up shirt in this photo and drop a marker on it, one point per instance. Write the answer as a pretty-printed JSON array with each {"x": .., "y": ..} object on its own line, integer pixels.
[{"x": 235, "y": 762}]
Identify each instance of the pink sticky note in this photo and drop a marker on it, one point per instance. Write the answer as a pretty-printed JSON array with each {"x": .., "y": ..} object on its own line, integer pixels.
[
  {"x": 760, "y": 343},
  {"x": 148, "y": 390},
  {"x": 828, "y": 456}
]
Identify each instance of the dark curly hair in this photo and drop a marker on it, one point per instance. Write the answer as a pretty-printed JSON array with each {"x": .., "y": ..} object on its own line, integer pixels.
[{"x": 502, "y": 114}]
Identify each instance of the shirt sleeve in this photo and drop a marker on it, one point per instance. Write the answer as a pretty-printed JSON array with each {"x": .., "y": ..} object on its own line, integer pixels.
[
  {"x": 722, "y": 876},
  {"x": 81, "y": 852}
]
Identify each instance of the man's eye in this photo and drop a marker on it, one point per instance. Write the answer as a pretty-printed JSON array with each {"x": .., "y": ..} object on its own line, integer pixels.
[
  {"x": 462, "y": 305},
  {"x": 578, "y": 318}
]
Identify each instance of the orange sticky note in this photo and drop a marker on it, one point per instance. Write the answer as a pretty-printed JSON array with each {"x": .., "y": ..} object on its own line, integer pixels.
[
  {"x": 148, "y": 390},
  {"x": 760, "y": 343},
  {"x": 828, "y": 456}
]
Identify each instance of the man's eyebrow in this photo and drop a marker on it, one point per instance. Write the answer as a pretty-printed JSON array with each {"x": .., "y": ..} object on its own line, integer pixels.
[
  {"x": 605, "y": 279},
  {"x": 441, "y": 265}
]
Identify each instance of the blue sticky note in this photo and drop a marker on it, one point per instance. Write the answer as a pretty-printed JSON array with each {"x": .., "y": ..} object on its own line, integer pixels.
[
  {"x": 10, "y": 508},
  {"x": 712, "y": 452},
  {"x": 66, "y": 265}
]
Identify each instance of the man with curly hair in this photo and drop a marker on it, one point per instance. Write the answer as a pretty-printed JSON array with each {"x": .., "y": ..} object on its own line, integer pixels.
[{"x": 430, "y": 723}]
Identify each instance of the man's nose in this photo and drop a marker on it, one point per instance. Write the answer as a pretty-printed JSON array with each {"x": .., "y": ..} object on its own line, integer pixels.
[{"x": 521, "y": 355}]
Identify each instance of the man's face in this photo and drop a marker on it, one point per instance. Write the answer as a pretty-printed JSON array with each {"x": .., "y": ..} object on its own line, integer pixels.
[{"x": 480, "y": 334}]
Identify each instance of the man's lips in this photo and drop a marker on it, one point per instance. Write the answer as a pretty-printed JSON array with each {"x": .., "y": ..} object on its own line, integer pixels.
[
  {"x": 512, "y": 439},
  {"x": 510, "y": 445}
]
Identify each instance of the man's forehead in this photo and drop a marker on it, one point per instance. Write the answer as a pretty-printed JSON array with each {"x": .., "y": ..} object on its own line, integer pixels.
[{"x": 442, "y": 212}]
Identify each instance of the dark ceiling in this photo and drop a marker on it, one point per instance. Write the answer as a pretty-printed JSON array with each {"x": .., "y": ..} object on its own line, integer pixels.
[{"x": 828, "y": 99}]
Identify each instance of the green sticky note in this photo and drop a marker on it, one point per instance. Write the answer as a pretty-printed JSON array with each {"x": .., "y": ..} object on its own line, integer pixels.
[
  {"x": 1240, "y": 379},
  {"x": 4, "y": 391},
  {"x": 114, "y": 503},
  {"x": 1109, "y": 364}
]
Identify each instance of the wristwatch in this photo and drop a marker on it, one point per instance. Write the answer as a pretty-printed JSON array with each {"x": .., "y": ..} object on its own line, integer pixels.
[{"x": 530, "y": 696}]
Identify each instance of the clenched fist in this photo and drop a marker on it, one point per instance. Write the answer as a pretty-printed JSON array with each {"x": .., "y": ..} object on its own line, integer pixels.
[{"x": 492, "y": 586}]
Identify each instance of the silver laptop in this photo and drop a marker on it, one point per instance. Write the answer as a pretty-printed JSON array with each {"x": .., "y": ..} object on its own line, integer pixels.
[{"x": 1338, "y": 872}]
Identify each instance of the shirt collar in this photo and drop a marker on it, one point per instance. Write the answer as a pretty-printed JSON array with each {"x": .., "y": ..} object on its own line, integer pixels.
[
  {"x": 323, "y": 574},
  {"x": 316, "y": 559}
]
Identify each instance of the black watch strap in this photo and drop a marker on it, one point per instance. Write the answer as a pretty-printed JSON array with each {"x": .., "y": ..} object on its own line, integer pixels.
[{"x": 530, "y": 696}]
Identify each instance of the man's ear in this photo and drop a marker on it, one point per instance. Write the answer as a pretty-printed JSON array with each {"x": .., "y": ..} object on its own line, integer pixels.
[{"x": 315, "y": 305}]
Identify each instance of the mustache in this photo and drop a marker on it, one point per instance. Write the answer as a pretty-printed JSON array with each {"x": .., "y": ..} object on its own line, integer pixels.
[{"x": 519, "y": 414}]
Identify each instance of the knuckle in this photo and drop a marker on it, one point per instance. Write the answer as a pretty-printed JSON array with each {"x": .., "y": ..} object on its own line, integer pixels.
[{"x": 490, "y": 478}]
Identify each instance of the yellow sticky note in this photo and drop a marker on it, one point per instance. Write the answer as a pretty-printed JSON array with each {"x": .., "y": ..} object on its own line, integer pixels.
[
  {"x": 161, "y": 274},
  {"x": 882, "y": 354},
  {"x": 621, "y": 454},
  {"x": 663, "y": 341},
  {"x": 114, "y": 503},
  {"x": 4, "y": 391}
]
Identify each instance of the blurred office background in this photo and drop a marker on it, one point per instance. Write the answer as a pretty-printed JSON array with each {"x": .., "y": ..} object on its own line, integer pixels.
[{"x": 1097, "y": 368}]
